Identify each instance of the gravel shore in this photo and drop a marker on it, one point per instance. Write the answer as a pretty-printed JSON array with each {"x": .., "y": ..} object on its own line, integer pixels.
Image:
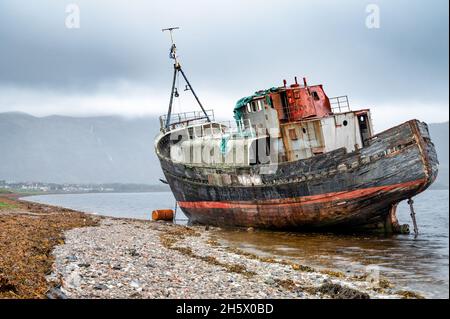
[{"x": 123, "y": 258}]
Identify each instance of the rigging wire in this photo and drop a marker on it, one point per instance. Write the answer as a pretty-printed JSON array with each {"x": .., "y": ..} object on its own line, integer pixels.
[{"x": 178, "y": 96}]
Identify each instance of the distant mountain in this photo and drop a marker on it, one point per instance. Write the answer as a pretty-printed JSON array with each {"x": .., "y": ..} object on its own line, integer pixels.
[
  {"x": 440, "y": 135},
  {"x": 110, "y": 149},
  {"x": 64, "y": 149}
]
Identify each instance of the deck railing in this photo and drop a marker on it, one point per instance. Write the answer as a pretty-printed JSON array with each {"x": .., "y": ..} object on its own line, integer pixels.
[
  {"x": 186, "y": 118},
  {"x": 215, "y": 129},
  {"x": 340, "y": 104},
  {"x": 239, "y": 129}
]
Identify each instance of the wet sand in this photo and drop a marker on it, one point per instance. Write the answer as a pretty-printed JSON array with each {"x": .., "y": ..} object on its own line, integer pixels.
[{"x": 68, "y": 254}]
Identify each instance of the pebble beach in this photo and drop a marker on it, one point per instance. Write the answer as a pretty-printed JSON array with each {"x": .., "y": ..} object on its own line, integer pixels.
[
  {"x": 138, "y": 259},
  {"x": 105, "y": 257}
]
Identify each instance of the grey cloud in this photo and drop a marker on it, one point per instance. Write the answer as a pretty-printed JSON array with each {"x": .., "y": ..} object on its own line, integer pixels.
[{"x": 232, "y": 46}]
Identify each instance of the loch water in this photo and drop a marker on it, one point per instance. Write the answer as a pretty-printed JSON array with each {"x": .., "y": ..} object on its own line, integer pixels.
[{"x": 419, "y": 264}]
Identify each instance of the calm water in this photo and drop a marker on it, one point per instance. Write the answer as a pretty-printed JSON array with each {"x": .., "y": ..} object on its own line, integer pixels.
[
  {"x": 420, "y": 264},
  {"x": 132, "y": 205}
]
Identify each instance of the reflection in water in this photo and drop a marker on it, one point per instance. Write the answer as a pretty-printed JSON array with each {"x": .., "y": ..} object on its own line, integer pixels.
[{"x": 419, "y": 264}]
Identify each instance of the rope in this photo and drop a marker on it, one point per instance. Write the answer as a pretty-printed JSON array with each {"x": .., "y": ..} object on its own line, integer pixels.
[
  {"x": 175, "y": 212},
  {"x": 413, "y": 216}
]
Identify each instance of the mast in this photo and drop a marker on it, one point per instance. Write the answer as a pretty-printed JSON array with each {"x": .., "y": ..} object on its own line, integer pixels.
[{"x": 176, "y": 71}]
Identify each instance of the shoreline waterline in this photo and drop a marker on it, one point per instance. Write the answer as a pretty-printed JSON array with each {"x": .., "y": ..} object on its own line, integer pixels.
[
  {"x": 413, "y": 264},
  {"x": 131, "y": 258}
]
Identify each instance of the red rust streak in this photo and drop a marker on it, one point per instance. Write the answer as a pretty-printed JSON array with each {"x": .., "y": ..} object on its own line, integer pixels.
[{"x": 306, "y": 200}]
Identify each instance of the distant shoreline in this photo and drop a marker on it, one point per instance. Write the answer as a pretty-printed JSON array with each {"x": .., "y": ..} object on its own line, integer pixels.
[{"x": 27, "y": 194}]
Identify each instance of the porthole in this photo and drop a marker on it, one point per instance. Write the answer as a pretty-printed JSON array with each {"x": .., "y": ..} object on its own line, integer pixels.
[
  {"x": 345, "y": 123},
  {"x": 304, "y": 130}
]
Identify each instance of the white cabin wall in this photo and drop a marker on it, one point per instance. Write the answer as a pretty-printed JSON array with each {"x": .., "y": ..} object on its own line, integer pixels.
[
  {"x": 211, "y": 152},
  {"x": 337, "y": 135},
  {"x": 369, "y": 117},
  {"x": 308, "y": 139},
  {"x": 237, "y": 152},
  {"x": 187, "y": 151},
  {"x": 208, "y": 151},
  {"x": 329, "y": 133},
  {"x": 312, "y": 137},
  {"x": 176, "y": 153},
  {"x": 272, "y": 123},
  {"x": 197, "y": 148},
  {"x": 264, "y": 118},
  {"x": 301, "y": 147}
]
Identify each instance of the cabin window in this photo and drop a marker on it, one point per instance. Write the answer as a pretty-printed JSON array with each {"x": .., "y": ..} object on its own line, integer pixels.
[
  {"x": 315, "y": 96},
  {"x": 191, "y": 133},
  {"x": 297, "y": 94},
  {"x": 254, "y": 106},
  {"x": 304, "y": 130},
  {"x": 293, "y": 134},
  {"x": 260, "y": 105},
  {"x": 345, "y": 123},
  {"x": 249, "y": 110}
]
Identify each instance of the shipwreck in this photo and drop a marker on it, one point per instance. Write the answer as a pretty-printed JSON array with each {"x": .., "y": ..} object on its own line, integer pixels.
[{"x": 292, "y": 159}]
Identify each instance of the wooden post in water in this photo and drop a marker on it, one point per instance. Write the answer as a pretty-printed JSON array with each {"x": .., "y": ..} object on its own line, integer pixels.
[{"x": 413, "y": 216}]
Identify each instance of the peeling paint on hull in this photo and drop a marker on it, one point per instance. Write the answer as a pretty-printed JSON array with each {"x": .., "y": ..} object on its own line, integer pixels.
[
  {"x": 348, "y": 210},
  {"x": 335, "y": 190}
]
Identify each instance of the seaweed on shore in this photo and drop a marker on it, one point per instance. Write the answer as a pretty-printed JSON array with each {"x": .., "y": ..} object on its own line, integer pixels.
[
  {"x": 293, "y": 265},
  {"x": 332, "y": 290},
  {"x": 406, "y": 294},
  {"x": 28, "y": 234},
  {"x": 170, "y": 238},
  {"x": 382, "y": 282},
  {"x": 337, "y": 291}
]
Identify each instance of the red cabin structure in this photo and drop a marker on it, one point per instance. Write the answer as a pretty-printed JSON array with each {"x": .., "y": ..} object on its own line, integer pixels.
[{"x": 301, "y": 102}]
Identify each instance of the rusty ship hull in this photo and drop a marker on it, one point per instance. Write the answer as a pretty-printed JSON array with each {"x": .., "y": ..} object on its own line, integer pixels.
[{"x": 337, "y": 190}]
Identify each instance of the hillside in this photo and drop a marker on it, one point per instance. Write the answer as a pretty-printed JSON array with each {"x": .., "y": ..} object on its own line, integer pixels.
[
  {"x": 78, "y": 150},
  {"x": 109, "y": 149},
  {"x": 440, "y": 134}
]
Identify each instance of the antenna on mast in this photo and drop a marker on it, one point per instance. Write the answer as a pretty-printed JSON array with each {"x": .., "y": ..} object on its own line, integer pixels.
[
  {"x": 177, "y": 69},
  {"x": 173, "y": 48}
]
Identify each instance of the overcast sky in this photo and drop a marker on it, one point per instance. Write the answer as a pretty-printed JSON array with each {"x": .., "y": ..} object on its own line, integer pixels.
[{"x": 117, "y": 61}]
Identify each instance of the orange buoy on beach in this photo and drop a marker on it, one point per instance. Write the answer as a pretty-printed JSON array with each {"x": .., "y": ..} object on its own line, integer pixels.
[{"x": 162, "y": 214}]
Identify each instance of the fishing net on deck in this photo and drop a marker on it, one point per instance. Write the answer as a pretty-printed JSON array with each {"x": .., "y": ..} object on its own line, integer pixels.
[{"x": 241, "y": 103}]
